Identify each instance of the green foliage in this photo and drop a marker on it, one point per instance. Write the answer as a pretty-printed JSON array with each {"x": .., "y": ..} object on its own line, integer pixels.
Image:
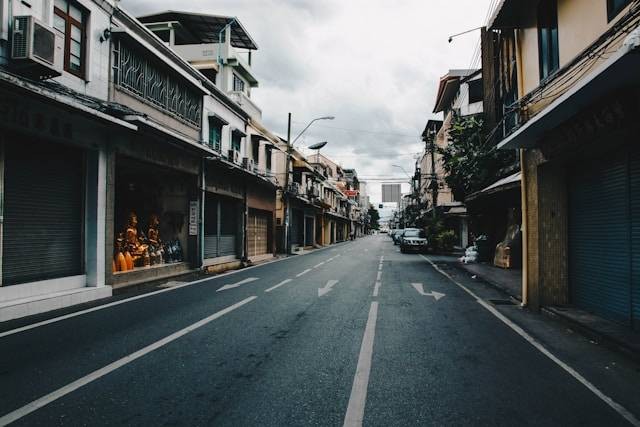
[
  {"x": 374, "y": 218},
  {"x": 440, "y": 239},
  {"x": 445, "y": 240},
  {"x": 470, "y": 161},
  {"x": 412, "y": 216}
]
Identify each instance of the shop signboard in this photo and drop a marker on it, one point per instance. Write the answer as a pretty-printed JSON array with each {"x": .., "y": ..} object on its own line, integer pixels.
[{"x": 193, "y": 217}]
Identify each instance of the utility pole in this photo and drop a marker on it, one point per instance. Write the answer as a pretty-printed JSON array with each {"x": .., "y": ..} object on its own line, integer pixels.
[
  {"x": 285, "y": 193},
  {"x": 433, "y": 184}
]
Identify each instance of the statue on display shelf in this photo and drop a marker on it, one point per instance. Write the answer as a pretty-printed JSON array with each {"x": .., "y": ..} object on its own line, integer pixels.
[
  {"x": 134, "y": 245},
  {"x": 153, "y": 236}
]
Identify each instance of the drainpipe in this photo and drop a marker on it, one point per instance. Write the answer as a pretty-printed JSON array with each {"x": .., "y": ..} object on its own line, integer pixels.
[
  {"x": 203, "y": 198},
  {"x": 523, "y": 187}
]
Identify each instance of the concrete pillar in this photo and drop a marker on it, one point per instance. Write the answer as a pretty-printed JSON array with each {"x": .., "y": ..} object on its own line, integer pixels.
[{"x": 95, "y": 218}]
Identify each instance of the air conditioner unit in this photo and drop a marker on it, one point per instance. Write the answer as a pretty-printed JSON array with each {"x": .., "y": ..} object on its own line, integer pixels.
[
  {"x": 33, "y": 46},
  {"x": 248, "y": 164},
  {"x": 233, "y": 156},
  {"x": 294, "y": 187}
]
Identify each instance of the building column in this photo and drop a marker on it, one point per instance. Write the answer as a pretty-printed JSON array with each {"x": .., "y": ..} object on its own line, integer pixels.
[
  {"x": 547, "y": 231},
  {"x": 96, "y": 218}
]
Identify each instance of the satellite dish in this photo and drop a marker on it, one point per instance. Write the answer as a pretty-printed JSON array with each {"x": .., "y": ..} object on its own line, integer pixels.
[{"x": 318, "y": 145}]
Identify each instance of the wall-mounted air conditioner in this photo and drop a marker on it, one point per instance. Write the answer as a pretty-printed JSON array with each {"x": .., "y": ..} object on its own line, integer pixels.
[
  {"x": 248, "y": 164},
  {"x": 233, "y": 156},
  {"x": 33, "y": 46}
]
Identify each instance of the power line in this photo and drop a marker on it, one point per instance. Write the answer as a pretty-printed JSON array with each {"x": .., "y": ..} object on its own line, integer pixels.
[{"x": 403, "y": 135}]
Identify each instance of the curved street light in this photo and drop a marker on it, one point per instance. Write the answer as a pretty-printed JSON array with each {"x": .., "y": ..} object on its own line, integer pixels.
[{"x": 309, "y": 125}]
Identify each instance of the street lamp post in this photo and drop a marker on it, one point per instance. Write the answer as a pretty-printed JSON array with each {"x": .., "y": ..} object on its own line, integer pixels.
[{"x": 287, "y": 205}]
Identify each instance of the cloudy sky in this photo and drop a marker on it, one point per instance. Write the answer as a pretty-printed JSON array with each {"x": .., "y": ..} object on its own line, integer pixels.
[{"x": 373, "y": 64}]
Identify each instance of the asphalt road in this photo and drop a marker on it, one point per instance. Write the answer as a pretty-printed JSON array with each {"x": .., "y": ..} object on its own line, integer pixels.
[{"x": 354, "y": 334}]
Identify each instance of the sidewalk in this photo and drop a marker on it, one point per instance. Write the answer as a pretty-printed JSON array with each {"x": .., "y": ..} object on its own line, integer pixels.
[
  {"x": 506, "y": 280},
  {"x": 616, "y": 336}
]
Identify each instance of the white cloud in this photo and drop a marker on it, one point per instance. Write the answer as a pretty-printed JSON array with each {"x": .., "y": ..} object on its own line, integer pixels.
[{"x": 373, "y": 64}]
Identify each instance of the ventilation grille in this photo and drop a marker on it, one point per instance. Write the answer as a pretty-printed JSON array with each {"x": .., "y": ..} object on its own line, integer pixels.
[
  {"x": 20, "y": 44},
  {"x": 44, "y": 43}
]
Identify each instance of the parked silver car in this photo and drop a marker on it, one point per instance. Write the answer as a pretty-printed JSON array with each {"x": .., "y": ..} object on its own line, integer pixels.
[{"x": 413, "y": 240}]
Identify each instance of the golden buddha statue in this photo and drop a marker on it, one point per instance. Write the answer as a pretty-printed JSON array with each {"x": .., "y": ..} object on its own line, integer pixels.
[
  {"x": 135, "y": 247},
  {"x": 153, "y": 236}
]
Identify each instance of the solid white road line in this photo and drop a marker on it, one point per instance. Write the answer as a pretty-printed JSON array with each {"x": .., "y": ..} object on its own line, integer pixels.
[
  {"x": 380, "y": 267},
  {"x": 284, "y": 282},
  {"x": 531, "y": 340},
  {"x": 376, "y": 289},
  {"x": 319, "y": 265},
  {"x": 303, "y": 273},
  {"x": 149, "y": 294},
  {"x": 45, "y": 400},
  {"x": 379, "y": 276},
  {"x": 237, "y": 284},
  {"x": 358, "y": 398}
]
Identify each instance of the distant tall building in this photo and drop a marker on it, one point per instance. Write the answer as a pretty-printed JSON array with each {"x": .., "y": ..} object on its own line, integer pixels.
[
  {"x": 364, "y": 195},
  {"x": 391, "y": 193}
]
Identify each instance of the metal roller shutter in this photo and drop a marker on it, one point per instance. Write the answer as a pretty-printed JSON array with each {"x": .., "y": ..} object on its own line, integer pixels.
[
  {"x": 220, "y": 227},
  {"x": 599, "y": 241},
  {"x": 258, "y": 234},
  {"x": 634, "y": 205},
  {"x": 43, "y": 213},
  {"x": 297, "y": 220}
]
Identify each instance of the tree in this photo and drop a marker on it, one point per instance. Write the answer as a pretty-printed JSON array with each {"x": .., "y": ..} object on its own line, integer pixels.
[
  {"x": 374, "y": 217},
  {"x": 471, "y": 162}
]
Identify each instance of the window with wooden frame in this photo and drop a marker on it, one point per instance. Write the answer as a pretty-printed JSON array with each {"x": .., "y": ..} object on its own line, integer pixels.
[
  {"x": 71, "y": 20},
  {"x": 236, "y": 141},
  {"x": 255, "y": 151},
  {"x": 548, "y": 48},
  {"x": 215, "y": 133},
  {"x": 268, "y": 158},
  {"x": 238, "y": 84},
  {"x": 614, "y": 7}
]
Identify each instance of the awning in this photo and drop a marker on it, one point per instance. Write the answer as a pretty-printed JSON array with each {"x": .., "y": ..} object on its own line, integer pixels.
[
  {"x": 239, "y": 132},
  {"x": 504, "y": 184},
  {"x": 511, "y": 14},
  {"x": 218, "y": 119},
  {"x": 203, "y": 28},
  {"x": 620, "y": 71}
]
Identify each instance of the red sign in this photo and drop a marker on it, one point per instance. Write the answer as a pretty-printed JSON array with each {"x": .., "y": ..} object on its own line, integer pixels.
[{"x": 351, "y": 193}]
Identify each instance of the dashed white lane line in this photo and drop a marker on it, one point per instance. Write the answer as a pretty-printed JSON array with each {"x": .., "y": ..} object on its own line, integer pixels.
[
  {"x": 380, "y": 267},
  {"x": 358, "y": 398},
  {"x": 81, "y": 382},
  {"x": 319, "y": 264},
  {"x": 142, "y": 296},
  {"x": 303, "y": 273},
  {"x": 531, "y": 340},
  {"x": 379, "y": 276},
  {"x": 237, "y": 284},
  {"x": 284, "y": 282},
  {"x": 376, "y": 289}
]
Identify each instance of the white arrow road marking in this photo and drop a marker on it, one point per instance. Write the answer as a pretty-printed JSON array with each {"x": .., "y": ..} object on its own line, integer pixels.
[
  {"x": 327, "y": 288},
  {"x": 240, "y": 283},
  {"x": 303, "y": 273},
  {"x": 624, "y": 412},
  {"x": 420, "y": 289},
  {"x": 284, "y": 282}
]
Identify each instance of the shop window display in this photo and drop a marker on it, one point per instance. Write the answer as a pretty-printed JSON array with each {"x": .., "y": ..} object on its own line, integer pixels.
[{"x": 151, "y": 210}]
